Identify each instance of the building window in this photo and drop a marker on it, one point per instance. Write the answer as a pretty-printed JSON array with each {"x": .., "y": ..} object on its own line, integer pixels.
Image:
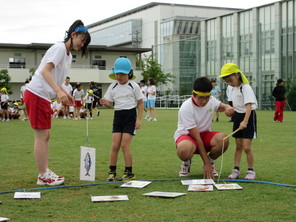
[
  {"x": 17, "y": 63},
  {"x": 99, "y": 64}
]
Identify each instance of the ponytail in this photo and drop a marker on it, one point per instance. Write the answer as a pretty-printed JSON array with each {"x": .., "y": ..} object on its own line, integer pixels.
[{"x": 79, "y": 28}]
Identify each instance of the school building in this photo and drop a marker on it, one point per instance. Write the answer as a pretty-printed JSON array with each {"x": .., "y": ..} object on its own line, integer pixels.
[
  {"x": 18, "y": 59},
  {"x": 191, "y": 41},
  {"x": 188, "y": 41}
]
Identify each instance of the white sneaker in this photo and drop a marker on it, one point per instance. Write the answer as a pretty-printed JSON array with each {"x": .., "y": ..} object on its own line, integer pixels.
[
  {"x": 147, "y": 117},
  {"x": 53, "y": 174},
  {"x": 65, "y": 117},
  {"x": 90, "y": 118},
  {"x": 214, "y": 171},
  {"x": 185, "y": 168},
  {"x": 251, "y": 175},
  {"x": 155, "y": 120},
  {"x": 234, "y": 175},
  {"x": 50, "y": 179}
]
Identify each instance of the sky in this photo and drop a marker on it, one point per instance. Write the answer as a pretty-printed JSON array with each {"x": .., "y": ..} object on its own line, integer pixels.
[{"x": 45, "y": 21}]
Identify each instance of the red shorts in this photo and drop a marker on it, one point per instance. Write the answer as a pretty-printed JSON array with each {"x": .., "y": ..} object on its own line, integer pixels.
[
  {"x": 206, "y": 138},
  {"x": 39, "y": 111},
  {"x": 78, "y": 104}
]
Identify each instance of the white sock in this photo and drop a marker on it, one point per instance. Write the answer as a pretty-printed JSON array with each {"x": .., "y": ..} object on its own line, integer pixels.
[{"x": 211, "y": 160}]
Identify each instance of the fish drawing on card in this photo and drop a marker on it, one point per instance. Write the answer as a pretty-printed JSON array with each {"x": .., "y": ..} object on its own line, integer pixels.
[{"x": 87, "y": 163}]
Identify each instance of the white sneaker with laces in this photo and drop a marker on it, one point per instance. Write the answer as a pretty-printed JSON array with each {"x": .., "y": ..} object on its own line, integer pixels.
[
  {"x": 234, "y": 175},
  {"x": 215, "y": 173},
  {"x": 50, "y": 179},
  {"x": 185, "y": 168},
  {"x": 251, "y": 175}
]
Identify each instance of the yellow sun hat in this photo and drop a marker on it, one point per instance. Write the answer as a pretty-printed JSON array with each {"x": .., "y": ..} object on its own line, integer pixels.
[
  {"x": 90, "y": 91},
  {"x": 4, "y": 89},
  {"x": 15, "y": 104},
  {"x": 231, "y": 68}
]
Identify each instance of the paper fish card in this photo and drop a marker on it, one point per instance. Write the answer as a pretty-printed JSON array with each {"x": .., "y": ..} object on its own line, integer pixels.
[{"x": 87, "y": 163}]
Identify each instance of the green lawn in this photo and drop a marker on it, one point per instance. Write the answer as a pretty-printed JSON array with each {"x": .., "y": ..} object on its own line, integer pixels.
[{"x": 154, "y": 157}]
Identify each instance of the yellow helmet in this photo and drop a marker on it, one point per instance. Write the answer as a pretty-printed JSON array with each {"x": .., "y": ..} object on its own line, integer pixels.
[
  {"x": 90, "y": 91},
  {"x": 4, "y": 89},
  {"x": 230, "y": 68},
  {"x": 15, "y": 104}
]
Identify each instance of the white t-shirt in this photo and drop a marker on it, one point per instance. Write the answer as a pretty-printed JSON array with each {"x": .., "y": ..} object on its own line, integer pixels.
[
  {"x": 23, "y": 88},
  {"x": 151, "y": 89},
  {"x": 88, "y": 98},
  {"x": 144, "y": 91},
  {"x": 78, "y": 95},
  {"x": 241, "y": 96},
  {"x": 192, "y": 116},
  {"x": 56, "y": 106},
  {"x": 229, "y": 93},
  {"x": 68, "y": 88},
  {"x": 56, "y": 54},
  {"x": 124, "y": 96},
  {"x": 4, "y": 97}
]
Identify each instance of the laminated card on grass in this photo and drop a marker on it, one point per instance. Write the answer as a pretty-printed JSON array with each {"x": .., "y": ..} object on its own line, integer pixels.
[
  {"x": 87, "y": 163},
  {"x": 229, "y": 186},
  {"x": 27, "y": 195},
  {"x": 109, "y": 198},
  {"x": 136, "y": 184},
  {"x": 199, "y": 187},
  {"x": 198, "y": 182},
  {"x": 164, "y": 194},
  {"x": 4, "y": 219}
]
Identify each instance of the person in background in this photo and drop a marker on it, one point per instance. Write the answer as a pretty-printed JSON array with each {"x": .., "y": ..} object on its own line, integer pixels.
[
  {"x": 4, "y": 104},
  {"x": 229, "y": 97},
  {"x": 96, "y": 95},
  {"x": 23, "y": 88},
  {"x": 151, "y": 91},
  {"x": 144, "y": 91},
  {"x": 280, "y": 100},
  {"x": 14, "y": 112},
  {"x": 88, "y": 100},
  {"x": 68, "y": 88},
  {"x": 57, "y": 108},
  {"x": 78, "y": 95},
  {"x": 216, "y": 92}
]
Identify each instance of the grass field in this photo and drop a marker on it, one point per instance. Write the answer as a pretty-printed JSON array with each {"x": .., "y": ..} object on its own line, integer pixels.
[{"x": 154, "y": 158}]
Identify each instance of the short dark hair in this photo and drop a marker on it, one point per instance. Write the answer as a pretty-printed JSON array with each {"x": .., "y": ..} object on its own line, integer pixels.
[
  {"x": 202, "y": 84},
  {"x": 142, "y": 81},
  {"x": 151, "y": 81}
]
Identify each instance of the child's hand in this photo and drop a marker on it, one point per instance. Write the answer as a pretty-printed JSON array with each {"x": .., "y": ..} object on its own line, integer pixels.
[
  {"x": 103, "y": 101},
  {"x": 229, "y": 111},
  {"x": 243, "y": 125},
  {"x": 208, "y": 172},
  {"x": 138, "y": 124}
]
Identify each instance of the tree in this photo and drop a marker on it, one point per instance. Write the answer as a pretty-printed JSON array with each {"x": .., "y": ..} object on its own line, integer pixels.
[
  {"x": 31, "y": 71},
  {"x": 4, "y": 80},
  {"x": 291, "y": 97},
  {"x": 152, "y": 69}
]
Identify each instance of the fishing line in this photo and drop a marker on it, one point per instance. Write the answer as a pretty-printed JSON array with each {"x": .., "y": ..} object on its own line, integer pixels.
[
  {"x": 151, "y": 180},
  {"x": 222, "y": 155}
]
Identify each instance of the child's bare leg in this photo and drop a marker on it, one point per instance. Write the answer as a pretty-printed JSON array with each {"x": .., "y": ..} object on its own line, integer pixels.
[
  {"x": 249, "y": 153},
  {"x": 41, "y": 149},
  {"x": 125, "y": 145},
  {"x": 238, "y": 151},
  {"x": 185, "y": 150},
  {"x": 217, "y": 145},
  {"x": 116, "y": 141}
]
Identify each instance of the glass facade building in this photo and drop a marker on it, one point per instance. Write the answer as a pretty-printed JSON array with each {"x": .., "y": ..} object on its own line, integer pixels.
[
  {"x": 125, "y": 33},
  {"x": 262, "y": 41}
]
